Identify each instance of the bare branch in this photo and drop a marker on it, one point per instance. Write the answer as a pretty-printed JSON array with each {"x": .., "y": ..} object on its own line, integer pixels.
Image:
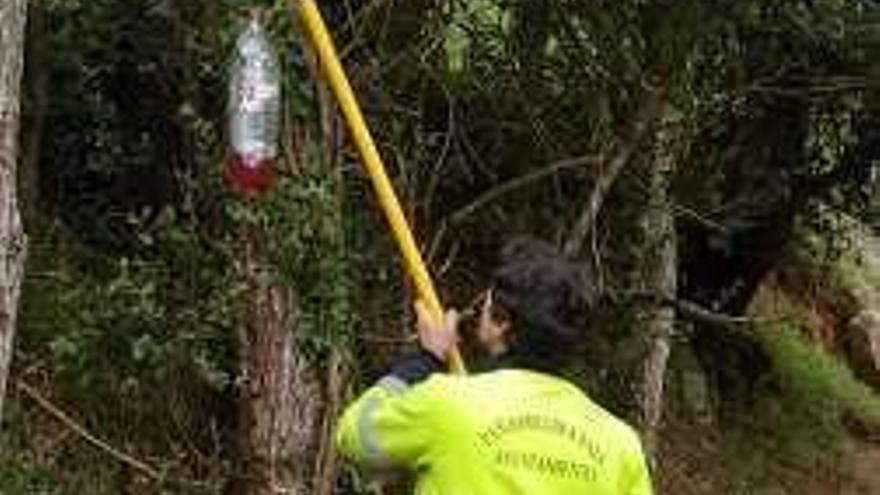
[
  {"x": 85, "y": 435},
  {"x": 697, "y": 313},
  {"x": 814, "y": 87},
  {"x": 699, "y": 218},
  {"x": 643, "y": 122}
]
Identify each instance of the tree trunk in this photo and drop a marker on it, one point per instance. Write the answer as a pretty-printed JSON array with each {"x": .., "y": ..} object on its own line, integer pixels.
[
  {"x": 326, "y": 461},
  {"x": 280, "y": 396},
  {"x": 12, "y": 239},
  {"x": 658, "y": 278}
]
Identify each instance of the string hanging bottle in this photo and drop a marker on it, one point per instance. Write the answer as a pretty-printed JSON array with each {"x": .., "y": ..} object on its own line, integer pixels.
[{"x": 254, "y": 108}]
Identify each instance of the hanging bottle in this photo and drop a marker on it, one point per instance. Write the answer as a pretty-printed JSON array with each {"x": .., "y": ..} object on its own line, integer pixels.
[{"x": 253, "y": 113}]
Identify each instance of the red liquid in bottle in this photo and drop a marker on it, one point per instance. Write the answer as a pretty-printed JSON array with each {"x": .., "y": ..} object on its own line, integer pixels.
[{"x": 248, "y": 175}]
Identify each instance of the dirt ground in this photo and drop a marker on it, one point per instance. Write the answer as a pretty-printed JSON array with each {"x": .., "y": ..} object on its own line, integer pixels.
[
  {"x": 697, "y": 461},
  {"x": 865, "y": 465}
]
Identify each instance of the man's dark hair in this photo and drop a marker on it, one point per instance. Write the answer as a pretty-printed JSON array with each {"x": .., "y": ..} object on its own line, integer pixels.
[{"x": 546, "y": 298}]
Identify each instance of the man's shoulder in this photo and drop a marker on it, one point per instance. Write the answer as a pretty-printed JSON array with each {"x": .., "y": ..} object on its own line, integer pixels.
[
  {"x": 502, "y": 386},
  {"x": 461, "y": 386},
  {"x": 444, "y": 381},
  {"x": 476, "y": 380}
]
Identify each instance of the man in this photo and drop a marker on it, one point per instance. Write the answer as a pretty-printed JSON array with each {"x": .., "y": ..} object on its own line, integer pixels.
[{"x": 519, "y": 429}]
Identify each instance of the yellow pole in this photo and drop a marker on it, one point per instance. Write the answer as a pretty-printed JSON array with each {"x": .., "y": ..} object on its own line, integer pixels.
[{"x": 338, "y": 82}]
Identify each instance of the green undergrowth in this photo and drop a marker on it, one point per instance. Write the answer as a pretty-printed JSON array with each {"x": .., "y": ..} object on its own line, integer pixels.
[
  {"x": 24, "y": 476},
  {"x": 796, "y": 433},
  {"x": 819, "y": 392},
  {"x": 134, "y": 348},
  {"x": 803, "y": 435},
  {"x": 140, "y": 347}
]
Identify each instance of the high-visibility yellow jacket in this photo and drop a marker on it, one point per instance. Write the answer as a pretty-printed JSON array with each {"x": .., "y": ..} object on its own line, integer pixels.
[{"x": 506, "y": 432}]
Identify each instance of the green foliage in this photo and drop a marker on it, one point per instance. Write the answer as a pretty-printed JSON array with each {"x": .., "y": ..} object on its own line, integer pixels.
[
  {"x": 19, "y": 480},
  {"x": 798, "y": 431},
  {"x": 302, "y": 220},
  {"x": 107, "y": 321},
  {"x": 840, "y": 271},
  {"x": 815, "y": 394},
  {"x": 482, "y": 21},
  {"x": 132, "y": 299}
]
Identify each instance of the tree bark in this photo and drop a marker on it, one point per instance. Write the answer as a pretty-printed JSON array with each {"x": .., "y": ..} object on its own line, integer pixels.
[
  {"x": 280, "y": 398},
  {"x": 13, "y": 14},
  {"x": 659, "y": 277},
  {"x": 326, "y": 460}
]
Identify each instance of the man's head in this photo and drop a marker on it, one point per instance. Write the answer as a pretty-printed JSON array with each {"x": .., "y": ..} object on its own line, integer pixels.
[{"x": 537, "y": 307}]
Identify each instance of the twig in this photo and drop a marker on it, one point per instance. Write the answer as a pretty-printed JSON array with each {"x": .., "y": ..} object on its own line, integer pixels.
[
  {"x": 642, "y": 123},
  {"x": 355, "y": 20},
  {"x": 684, "y": 211},
  {"x": 598, "y": 272},
  {"x": 434, "y": 179},
  {"x": 486, "y": 198},
  {"x": 812, "y": 87},
  {"x": 435, "y": 243},
  {"x": 514, "y": 184},
  {"x": 450, "y": 259},
  {"x": 378, "y": 339},
  {"x": 88, "y": 437}
]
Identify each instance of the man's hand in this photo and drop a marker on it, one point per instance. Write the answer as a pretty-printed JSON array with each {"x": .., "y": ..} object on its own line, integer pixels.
[{"x": 436, "y": 337}]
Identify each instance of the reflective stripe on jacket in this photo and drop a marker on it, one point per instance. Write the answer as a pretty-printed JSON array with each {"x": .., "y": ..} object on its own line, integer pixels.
[{"x": 507, "y": 432}]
